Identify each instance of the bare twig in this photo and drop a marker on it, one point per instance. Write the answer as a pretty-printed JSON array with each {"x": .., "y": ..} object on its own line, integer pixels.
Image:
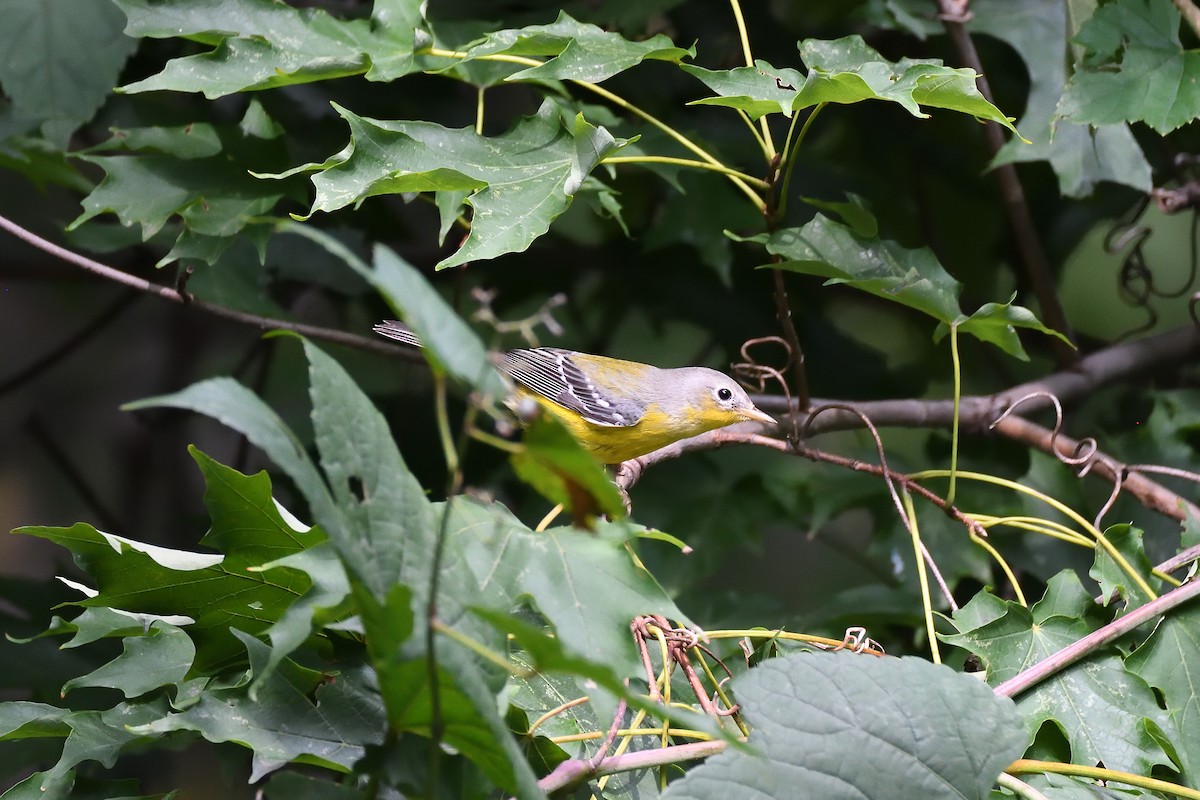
[{"x": 241, "y": 317}]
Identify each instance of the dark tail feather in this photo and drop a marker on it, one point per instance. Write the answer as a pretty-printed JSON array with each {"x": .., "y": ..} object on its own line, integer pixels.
[{"x": 394, "y": 329}]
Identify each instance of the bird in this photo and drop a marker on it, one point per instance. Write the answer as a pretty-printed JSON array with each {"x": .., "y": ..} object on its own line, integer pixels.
[{"x": 617, "y": 410}]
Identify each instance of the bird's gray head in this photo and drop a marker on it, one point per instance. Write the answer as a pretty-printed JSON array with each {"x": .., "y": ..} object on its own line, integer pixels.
[{"x": 714, "y": 396}]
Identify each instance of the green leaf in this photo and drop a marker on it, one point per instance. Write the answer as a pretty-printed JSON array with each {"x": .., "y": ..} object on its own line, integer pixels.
[
  {"x": 1080, "y": 155},
  {"x": 94, "y": 736},
  {"x": 1167, "y": 661},
  {"x": 520, "y": 181},
  {"x": 997, "y": 323},
  {"x": 1105, "y": 711},
  {"x": 22, "y": 719},
  {"x": 847, "y": 71},
  {"x": 61, "y": 59},
  {"x": 579, "y": 51},
  {"x": 323, "y": 603},
  {"x": 214, "y": 197},
  {"x": 216, "y": 590},
  {"x": 162, "y": 657},
  {"x": 263, "y": 44},
  {"x": 913, "y": 278},
  {"x": 1134, "y": 69},
  {"x": 758, "y": 90},
  {"x": 931, "y": 732},
  {"x": 1114, "y": 581},
  {"x": 296, "y": 716},
  {"x": 380, "y": 516},
  {"x": 555, "y": 464},
  {"x": 197, "y": 140},
  {"x": 853, "y": 211}
]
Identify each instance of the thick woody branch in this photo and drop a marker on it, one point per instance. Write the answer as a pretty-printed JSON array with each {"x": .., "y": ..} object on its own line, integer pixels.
[{"x": 1121, "y": 362}]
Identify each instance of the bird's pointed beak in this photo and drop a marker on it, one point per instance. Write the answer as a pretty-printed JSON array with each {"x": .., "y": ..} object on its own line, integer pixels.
[{"x": 752, "y": 413}]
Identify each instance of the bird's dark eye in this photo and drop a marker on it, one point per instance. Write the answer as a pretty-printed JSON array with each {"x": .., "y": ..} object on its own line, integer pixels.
[{"x": 724, "y": 394}]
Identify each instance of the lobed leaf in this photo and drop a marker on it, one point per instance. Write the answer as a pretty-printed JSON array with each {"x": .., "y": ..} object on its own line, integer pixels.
[
  {"x": 1106, "y": 712},
  {"x": 1134, "y": 69},
  {"x": 519, "y": 181},
  {"x": 60, "y": 61},
  {"x": 1080, "y": 155}
]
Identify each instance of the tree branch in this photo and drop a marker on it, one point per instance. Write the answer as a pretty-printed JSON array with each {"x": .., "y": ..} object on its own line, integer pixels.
[
  {"x": 1097, "y": 639},
  {"x": 1119, "y": 362},
  {"x": 241, "y": 317}
]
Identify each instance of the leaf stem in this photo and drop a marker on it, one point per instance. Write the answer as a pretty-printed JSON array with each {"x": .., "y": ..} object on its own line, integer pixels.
[
  {"x": 687, "y": 162},
  {"x": 1019, "y": 787},
  {"x": 922, "y": 577},
  {"x": 769, "y": 145},
  {"x": 762, "y": 145},
  {"x": 443, "y": 421},
  {"x": 1026, "y": 766},
  {"x": 957, "y": 366},
  {"x": 479, "y": 111},
  {"x": 791, "y": 151}
]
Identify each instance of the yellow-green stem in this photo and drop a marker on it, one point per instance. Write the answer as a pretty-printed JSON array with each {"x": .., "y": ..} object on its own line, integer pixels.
[
  {"x": 926, "y": 603},
  {"x": 769, "y": 145},
  {"x": 791, "y": 151},
  {"x": 1095, "y": 532},
  {"x": 1026, "y": 766},
  {"x": 954, "y": 421},
  {"x": 443, "y": 422},
  {"x": 615, "y": 100},
  {"x": 687, "y": 162},
  {"x": 479, "y": 111},
  {"x": 1004, "y": 567}
]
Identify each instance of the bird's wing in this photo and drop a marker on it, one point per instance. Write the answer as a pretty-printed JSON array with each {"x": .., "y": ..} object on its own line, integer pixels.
[
  {"x": 551, "y": 373},
  {"x": 394, "y": 329}
]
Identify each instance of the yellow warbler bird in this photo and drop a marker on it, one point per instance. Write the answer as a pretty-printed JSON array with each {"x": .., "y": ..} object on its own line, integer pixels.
[{"x": 618, "y": 409}]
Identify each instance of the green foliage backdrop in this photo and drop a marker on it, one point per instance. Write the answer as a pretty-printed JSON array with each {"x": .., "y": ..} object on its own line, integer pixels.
[{"x": 950, "y": 245}]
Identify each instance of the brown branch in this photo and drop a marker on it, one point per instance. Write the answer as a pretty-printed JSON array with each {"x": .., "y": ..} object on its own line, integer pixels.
[
  {"x": 1119, "y": 362},
  {"x": 1190, "y": 13},
  {"x": 241, "y": 317},
  {"x": 574, "y": 771},
  {"x": 1149, "y": 493},
  {"x": 953, "y": 14}
]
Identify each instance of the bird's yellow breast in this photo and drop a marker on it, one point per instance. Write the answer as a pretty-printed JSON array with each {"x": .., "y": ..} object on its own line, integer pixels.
[{"x": 613, "y": 444}]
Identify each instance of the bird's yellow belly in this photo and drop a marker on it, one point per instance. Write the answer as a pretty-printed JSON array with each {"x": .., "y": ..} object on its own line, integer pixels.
[{"x": 613, "y": 444}]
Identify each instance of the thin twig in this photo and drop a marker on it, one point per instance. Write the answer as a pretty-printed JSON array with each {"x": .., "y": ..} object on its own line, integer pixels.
[{"x": 241, "y": 317}]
